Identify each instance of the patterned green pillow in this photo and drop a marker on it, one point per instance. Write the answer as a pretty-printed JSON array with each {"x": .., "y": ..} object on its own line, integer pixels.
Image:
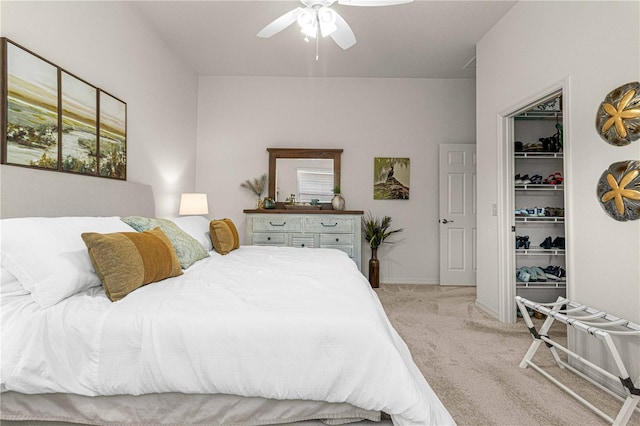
[{"x": 188, "y": 249}]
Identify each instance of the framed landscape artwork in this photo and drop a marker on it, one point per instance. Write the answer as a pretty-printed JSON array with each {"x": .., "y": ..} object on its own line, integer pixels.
[
  {"x": 79, "y": 125},
  {"x": 391, "y": 178},
  {"x": 53, "y": 120},
  {"x": 31, "y": 108},
  {"x": 113, "y": 137}
]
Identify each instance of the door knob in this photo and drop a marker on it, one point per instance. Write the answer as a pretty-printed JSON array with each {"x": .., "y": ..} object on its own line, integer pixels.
[{"x": 446, "y": 221}]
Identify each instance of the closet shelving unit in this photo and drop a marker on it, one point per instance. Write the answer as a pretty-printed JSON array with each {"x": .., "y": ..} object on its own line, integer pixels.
[{"x": 529, "y": 127}]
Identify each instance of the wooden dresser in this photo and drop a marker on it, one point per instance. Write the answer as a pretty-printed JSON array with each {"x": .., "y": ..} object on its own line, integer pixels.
[{"x": 339, "y": 229}]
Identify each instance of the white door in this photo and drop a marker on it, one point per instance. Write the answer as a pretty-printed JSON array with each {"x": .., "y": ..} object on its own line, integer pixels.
[{"x": 458, "y": 214}]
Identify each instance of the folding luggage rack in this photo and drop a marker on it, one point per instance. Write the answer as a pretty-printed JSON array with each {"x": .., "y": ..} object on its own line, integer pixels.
[{"x": 595, "y": 323}]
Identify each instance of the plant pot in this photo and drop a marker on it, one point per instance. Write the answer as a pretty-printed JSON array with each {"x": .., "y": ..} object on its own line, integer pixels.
[
  {"x": 338, "y": 202},
  {"x": 374, "y": 269}
]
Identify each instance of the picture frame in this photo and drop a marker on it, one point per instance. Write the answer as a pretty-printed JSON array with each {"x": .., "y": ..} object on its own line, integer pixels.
[
  {"x": 30, "y": 112},
  {"x": 53, "y": 120},
  {"x": 79, "y": 142},
  {"x": 391, "y": 178},
  {"x": 112, "y": 140}
]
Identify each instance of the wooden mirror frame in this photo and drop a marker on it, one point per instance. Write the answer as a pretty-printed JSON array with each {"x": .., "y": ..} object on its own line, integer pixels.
[{"x": 323, "y": 154}]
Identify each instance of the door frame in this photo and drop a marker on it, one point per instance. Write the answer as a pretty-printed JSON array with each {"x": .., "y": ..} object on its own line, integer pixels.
[{"x": 505, "y": 183}]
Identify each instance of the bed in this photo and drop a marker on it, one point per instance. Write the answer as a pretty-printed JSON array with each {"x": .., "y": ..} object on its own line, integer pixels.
[{"x": 261, "y": 335}]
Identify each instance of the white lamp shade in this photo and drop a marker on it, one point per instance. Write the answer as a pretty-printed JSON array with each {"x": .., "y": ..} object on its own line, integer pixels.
[{"x": 193, "y": 204}]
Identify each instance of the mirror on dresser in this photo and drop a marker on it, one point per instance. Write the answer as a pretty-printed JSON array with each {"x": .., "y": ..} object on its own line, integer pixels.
[{"x": 318, "y": 169}]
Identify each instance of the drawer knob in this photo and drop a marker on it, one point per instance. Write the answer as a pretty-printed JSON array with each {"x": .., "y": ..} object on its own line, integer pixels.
[
  {"x": 329, "y": 225},
  {"x": 277, "y": 224},
  {"x": 337, "y": 239},
  {"x": 302, "y": 245},
  {"x": 268, "y": 238}
]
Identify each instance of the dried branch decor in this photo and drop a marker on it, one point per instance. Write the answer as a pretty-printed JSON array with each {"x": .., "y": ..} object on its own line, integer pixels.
[{"x": 257, "y": 185}]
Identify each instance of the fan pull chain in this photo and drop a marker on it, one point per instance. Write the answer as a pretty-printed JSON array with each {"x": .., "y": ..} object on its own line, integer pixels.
[{"x": 317, "y": 43}]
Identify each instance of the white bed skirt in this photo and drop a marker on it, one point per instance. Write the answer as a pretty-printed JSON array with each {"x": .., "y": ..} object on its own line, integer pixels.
[{"x": 174, "y": 408}]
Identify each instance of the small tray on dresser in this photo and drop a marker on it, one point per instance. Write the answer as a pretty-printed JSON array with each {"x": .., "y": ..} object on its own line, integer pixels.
[{"x": 301, "y": 207}]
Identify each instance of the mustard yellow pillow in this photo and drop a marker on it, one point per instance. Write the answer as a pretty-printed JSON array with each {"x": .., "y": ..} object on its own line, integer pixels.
[
  {"x": 125, "y": 261},
  {"x": 224, "y": 235}
]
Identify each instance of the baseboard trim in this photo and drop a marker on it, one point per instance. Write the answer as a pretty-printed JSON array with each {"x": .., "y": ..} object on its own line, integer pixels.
[
  {"x": 487, "y": 309},
  {"x": 410, "y": 281}
]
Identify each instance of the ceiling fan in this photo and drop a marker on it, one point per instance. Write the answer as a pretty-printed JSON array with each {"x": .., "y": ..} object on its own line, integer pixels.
[{"x": 317, "y": 18}]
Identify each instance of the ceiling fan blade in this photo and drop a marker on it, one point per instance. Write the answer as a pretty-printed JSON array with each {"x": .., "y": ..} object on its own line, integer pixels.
[
  {"x": 280, "y": 23},
  {"x": 343, "y": 35},
  {"x": 372, "y": 2}
]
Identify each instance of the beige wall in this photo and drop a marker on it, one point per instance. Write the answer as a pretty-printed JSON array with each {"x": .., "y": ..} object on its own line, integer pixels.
[
  {"x": 593, "y": 47},
  {"x": 239, "y": 117},
  {"x": 110, "y": 46}
]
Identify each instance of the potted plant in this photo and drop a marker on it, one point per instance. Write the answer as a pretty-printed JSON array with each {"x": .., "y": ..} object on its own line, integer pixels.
[
  {"x": 376, "y": 231},
  {"x": 337, "y": 202}
]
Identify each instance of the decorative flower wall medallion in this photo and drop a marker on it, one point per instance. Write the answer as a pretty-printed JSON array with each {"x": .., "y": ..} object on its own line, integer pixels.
[
  {"x": 619, "y": 190},
  {"x": 618, "y": 118}
]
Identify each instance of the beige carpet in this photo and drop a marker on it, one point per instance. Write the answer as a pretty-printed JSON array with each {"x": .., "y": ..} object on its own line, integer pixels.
[{"x": 471, "y": 361}]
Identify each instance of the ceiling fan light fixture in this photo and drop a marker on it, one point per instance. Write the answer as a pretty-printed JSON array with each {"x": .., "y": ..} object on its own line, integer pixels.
[
  {"x": 327, "y": 20},
  {"x": 316, "y": 17},
  {"x": 308, "y": 22}
]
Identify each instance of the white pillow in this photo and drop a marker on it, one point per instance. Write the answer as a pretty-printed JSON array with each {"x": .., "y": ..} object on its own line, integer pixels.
[
  {"x": 48, "y": 256},
  {"x": 197, "y": 227},
  {"x": 9, "y": 284}
]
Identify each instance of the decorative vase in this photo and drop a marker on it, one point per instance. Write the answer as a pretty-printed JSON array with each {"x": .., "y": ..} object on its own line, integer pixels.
[
  {"x": 337, "y": 202},
  {"x": 268, "y": 203},
  {"x": 259, "y": 204},
  {"x": 374, "y": 269}
]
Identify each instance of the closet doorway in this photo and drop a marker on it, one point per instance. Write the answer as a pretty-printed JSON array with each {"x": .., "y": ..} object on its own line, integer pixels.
[{"x": 533, "y": 228}]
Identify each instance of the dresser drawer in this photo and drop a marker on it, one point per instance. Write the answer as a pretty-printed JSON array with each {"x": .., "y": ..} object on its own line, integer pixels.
[
  {"x": 270, "y": 239},
  {"x": 329, "y": 224},
  {"x": 303, "y": 241},
  {"x": 336, "y": 239},
  {"x": 277, "y": 224}
]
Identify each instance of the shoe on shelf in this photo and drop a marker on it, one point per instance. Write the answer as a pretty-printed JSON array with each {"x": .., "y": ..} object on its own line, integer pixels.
[
  {"x": 519, "y": 314},
  {"x": 554, "y": 212},
  {"x": 555, "y": 273},
  {"x": 539, "y": 315},
  {"x": 518, "y": 179},
  {"x": 536, "y": 179},
  {"x": 546, "y": 244},
  {"x": 552, "y": 277},
  {"x": 540, "y": 275},
  {"x": 558, "y": 243},
  {"x": 522, "y": 242},
  {"x": 558, "y": 178},
  {"x": 561, "y": 273},
  {"x": 532, "y": 147},
  {"x": 526, "y": 180},
  {"x": 523, "y": 275}
]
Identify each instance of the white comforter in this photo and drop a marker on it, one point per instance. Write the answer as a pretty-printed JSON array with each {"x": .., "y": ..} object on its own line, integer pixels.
[{"x": 259, "y": 321}]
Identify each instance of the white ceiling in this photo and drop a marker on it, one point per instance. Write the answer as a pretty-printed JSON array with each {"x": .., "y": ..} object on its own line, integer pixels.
[{"x": 428, "y": 39}]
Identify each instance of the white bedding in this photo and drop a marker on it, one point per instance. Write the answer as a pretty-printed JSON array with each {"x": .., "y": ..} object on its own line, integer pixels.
[{"x": 233, "y": 324}]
